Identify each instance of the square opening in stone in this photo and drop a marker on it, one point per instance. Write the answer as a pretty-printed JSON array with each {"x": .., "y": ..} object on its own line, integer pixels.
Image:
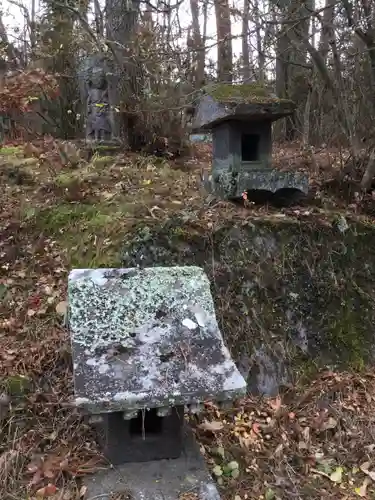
[
  {"x": 250, "y": 147},
  {"x": 146, "y": 422}
]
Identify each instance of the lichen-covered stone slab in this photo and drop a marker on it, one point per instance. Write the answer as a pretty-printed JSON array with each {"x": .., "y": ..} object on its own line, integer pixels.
[
  {"x": 230, "y": 185},
  {"x": 238, "y": 102},
  {"x": 147, "y": 338}
]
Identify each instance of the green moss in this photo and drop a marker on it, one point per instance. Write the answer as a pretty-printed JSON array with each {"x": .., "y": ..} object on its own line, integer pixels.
[
  {"x": 11, "y": 150},
  {"x": 89, "y": 235},
  {"x": 102, "y": 161},
  {"x": 17, "y": 385},
  {"x": 61, "y": 217},
  {"x": 347, "y": 334},
  {"x": 66, "y": 179},
  {"x": 244, "y": 93}
]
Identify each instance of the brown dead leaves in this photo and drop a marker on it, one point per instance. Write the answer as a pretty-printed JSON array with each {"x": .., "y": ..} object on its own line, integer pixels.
[{"x": 307, "y": 437}]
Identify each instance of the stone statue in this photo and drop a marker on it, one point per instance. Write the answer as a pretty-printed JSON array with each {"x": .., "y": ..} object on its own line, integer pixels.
[{"x": 98, "y": 126}]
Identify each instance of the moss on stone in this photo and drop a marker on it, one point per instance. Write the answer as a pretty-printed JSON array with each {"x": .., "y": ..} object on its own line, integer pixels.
[
  {"x": 250, "y": 93},
  {"x": 305, "y": 286}
]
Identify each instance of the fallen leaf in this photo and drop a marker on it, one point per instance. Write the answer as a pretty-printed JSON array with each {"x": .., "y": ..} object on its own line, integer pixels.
[
  {"x": 278, "y": 450},
  {"x": 82, "y": 491},
  {"x": 362, "y": 490},
  {"x": 336, "y": 476},
  {"x": 62, "y": 307},
  {"x": 213, "y": 426},
  {"x": 270, "y": 494},
  {"x": 365, "y": 469},
  {"x": 255, "y": 428},
  {"x": 46, "y": 491},
  {"x": 331, "y": 423},
  {"x": 275, "y": 404},
  {"x": 220, "y": 451}
]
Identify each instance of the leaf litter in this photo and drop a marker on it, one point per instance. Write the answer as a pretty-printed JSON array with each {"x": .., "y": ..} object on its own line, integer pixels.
[{"x": 297, "y": 445}]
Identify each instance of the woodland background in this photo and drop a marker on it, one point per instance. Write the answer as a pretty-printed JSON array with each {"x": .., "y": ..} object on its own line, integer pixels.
[{"x": 320, "y": 54}]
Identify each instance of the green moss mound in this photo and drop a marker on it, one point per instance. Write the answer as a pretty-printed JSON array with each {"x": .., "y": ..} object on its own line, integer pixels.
[{"x": 303, "y": 294}]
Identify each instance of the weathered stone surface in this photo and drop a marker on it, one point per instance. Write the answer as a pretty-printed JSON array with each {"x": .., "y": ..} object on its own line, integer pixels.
[
  {"x": 293, "y": 294},
  {"x": 206, "y": 138},
  {"x": 239, "y": 102},
  {"x": 157, "y": 480},
  {"x": 147, "y": 338},
  {"x": 229, "y": 185}
]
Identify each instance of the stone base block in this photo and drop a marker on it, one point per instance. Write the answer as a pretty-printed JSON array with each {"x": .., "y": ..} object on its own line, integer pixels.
[
  {"x": 157, "y": 480},
  {"x": 141, "y": 439},
  {"x": 231, "y": 185}
]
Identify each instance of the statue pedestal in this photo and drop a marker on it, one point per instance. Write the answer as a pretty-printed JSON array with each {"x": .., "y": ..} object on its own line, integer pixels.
[{"x": 102, "y": 148}]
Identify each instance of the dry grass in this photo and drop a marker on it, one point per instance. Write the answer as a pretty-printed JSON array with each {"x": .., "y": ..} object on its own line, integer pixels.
[{"x": 64, "y": 218}]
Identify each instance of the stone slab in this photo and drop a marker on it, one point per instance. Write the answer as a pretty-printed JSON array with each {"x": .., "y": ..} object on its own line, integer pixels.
[
  {"x": 157, "y": 480},
  {"x": 231, "y": 185},
  {"x": 210, "y": 113},
  {"x": 147, "y": 338}
]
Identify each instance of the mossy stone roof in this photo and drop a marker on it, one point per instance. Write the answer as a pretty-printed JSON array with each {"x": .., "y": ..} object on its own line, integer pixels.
[
  {"x": 247, "y": 102},
  {"x": 249, "y": 93}
]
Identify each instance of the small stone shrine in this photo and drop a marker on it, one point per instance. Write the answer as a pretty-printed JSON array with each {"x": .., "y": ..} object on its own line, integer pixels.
[
  {"x": 147, "y": 349},
  {"x": 99, "y": 95},
  {"x": 240, "y": 118}
]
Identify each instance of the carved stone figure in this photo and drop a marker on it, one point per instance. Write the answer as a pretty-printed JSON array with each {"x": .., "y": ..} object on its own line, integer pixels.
[
  {"x": 98, "y": 86},
  {"x": 98, "y": 126}
]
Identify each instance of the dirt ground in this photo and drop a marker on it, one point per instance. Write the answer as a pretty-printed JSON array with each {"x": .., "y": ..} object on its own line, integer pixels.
[{"x": 316, "y": 440}]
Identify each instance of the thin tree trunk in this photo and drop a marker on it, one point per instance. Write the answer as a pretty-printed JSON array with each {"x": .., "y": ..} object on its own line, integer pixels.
[
  {"x": 245, "y": 42},
  {"x": 327, "y": 24},
  {"x": 224, "y": 41},
  {"x": 261, "y": 55},
  {"x": 199, "y": 52}
]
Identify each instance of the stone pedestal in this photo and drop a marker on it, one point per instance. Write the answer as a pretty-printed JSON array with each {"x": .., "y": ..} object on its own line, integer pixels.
[{"x": 183, "y": 477}]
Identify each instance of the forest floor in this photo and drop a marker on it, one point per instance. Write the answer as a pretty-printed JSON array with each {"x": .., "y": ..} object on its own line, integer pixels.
[{"x": 314, "y": 441}]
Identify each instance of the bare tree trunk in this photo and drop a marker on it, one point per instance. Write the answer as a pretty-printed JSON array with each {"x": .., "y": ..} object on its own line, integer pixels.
[
  {"x": 245, "y": 42},
  {"x": 122, "y": 16},
  {"x": 327, "y": 24},
  {"x": 224, "y": 41},
  {"x": 306, "y": 120},
  {"x": 282, "y": 71},
  {"x": 32, "y": 27},
  {"x": 99, "y": 22},
  {"x": 261, "y": 55},
  {"x": 199, "y": 52}
]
